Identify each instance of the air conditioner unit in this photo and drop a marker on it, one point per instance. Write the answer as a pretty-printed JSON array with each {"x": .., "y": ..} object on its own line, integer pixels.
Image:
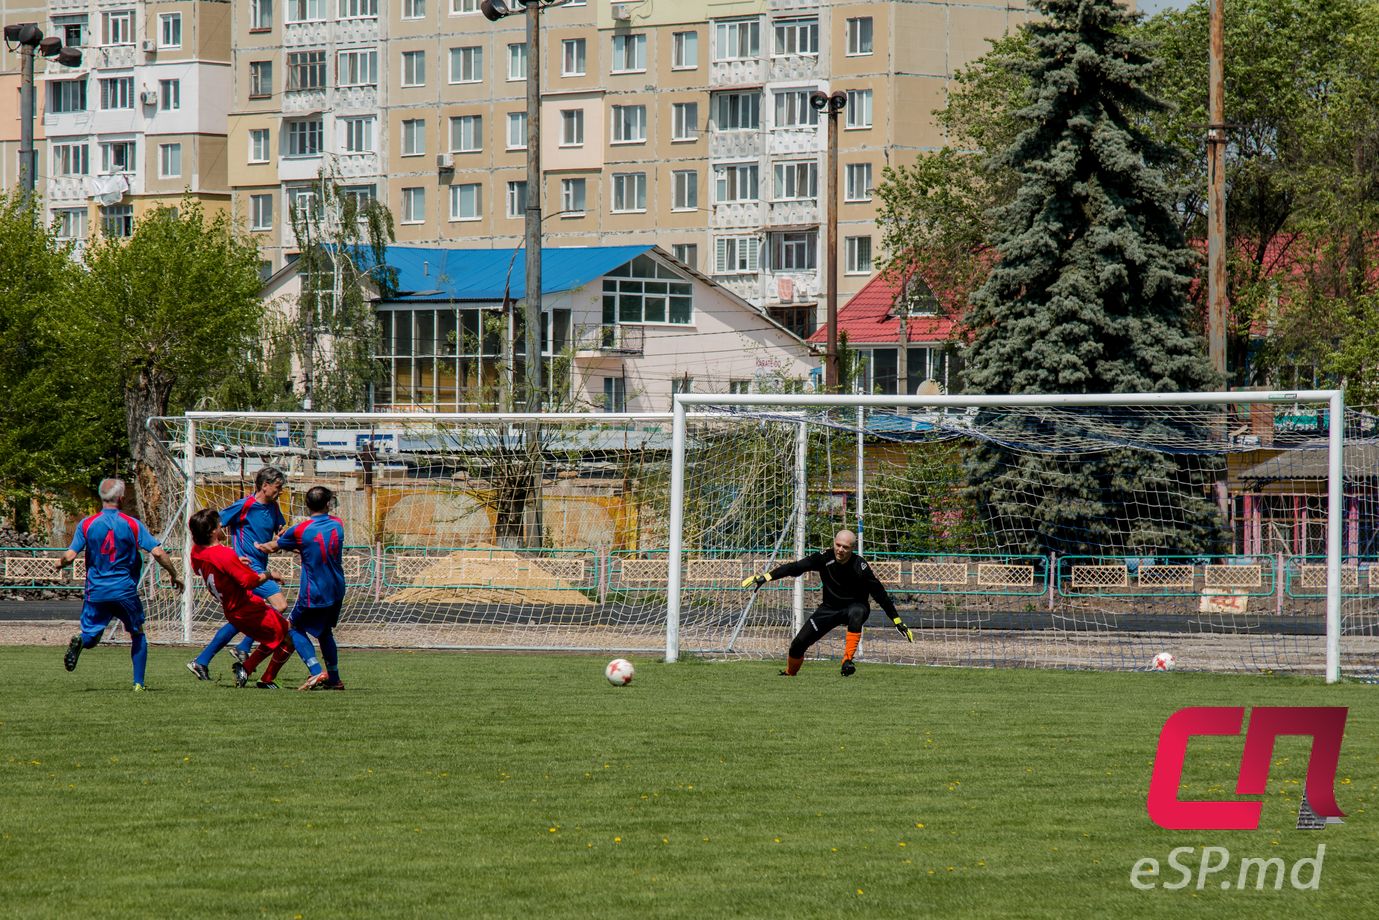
[
  {"x": 622, "y": 12},
  {"x": 445, "y": 161},
  {"x": 149, "y": 97},
  {"x": 148, "y": 45}
]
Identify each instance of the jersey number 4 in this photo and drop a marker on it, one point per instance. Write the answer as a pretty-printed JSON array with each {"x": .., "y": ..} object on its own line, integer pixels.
[
  {"x": 210, "y": 586},
  {"x": 108, "y": 547}
]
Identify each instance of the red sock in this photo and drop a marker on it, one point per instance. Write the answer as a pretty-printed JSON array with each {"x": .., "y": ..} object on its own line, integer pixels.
[
  {"x": 280, "y": 656},
  {"x": 792, "y": 665},
  {"x": 255, "y": 657},
  {"x": 850, "y": 648}
]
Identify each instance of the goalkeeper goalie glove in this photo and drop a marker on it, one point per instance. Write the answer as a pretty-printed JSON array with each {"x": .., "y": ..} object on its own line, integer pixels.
[
  {"x": 756, "y": 581},
  {"x": 903, "y": 629}
]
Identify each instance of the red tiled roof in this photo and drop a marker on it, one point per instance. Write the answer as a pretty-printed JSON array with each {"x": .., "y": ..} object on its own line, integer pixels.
[{"x": 866, "y": 318}]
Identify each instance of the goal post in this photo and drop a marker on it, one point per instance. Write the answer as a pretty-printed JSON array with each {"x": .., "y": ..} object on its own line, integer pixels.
[{"x": 1166, "y": 499}]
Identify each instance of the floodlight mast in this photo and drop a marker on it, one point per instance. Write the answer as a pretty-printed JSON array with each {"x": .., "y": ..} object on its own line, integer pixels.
[{"x": 28, "y": 38}]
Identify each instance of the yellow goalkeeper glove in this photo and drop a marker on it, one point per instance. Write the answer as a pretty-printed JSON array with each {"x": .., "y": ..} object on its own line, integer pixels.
[
  {"x": 904, "y": 630},
  {"x": 756, "y": 581}
]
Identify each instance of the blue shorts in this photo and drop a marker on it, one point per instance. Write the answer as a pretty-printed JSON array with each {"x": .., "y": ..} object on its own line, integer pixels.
[
  {"x": 96, "y": 616},
  {"x": 268, "y": 589},
  {"x": 315, "y": 620}
]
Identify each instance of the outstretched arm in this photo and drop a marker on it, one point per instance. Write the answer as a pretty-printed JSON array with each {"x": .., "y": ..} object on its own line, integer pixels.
[
  {"x": 794, "y": 569},
  {"x": 161, "y": 557},
  {"x": 878, "y": 593},
  {"x": 66, "y": 559}
]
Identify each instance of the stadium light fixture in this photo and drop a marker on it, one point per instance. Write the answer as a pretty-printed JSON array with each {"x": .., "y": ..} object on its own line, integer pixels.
[{"x": 28, "y": 38}]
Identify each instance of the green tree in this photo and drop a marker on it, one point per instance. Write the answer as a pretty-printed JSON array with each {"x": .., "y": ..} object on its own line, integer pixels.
[
  {"x": 56, "y": 410},
  {"x": 1088, "y": 293},
  {"x": 171, "y": 310}
]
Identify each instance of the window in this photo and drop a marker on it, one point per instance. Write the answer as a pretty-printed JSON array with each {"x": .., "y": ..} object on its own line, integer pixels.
[
  {"x": 358, "y": 9},
  {"x": 117, "y": 93},
  {"x": 572, "y": 195},
  {"x": 737, "y": 39},
  {"x": 118, "y": 27},
  {"x": 859, "y": 108},
  {"x": 684, "y": 121},
  {"x": 797, "y": 180},
  {"x": 614, "y": 394},
  {"x": 465, "y": 201},
  {"x": 260, "y": 212},
  {"x": 71, "y": 223},
  {"x": 517, "y": 61},
  {"x": 413, "y": 205},
  {"x": 260, "y": 79},
  {"x": 793, "y": 109},
  {"x": 795, "y": 251},
  {"x": 572, "y": 57},
  {"x": 737, "y": 182},
  {"x": 169, "y": 161},
  {"x": 170, "y": 30},
  {"x": 118, "y": 220},
  {"x": 304, "y": 10},
  {"x": 260, "y": 15},
  {"x": 859, "y": 36},
  {"x": 629, "y": 53},
  {"x": 736, "y": 254},
  {"x": 646, "y": 291},
  {"x": 73, "y": 29},
  {"x": 858, "y": 255},
  {"x": 302, "y": 202},
  {"x": 67, "y": 96},
  {"x": 467, "y": 64},
  {"x": 413, "y": 137},
  {"x": 258, "y": 145},
  {"x": 858, "y": 182},
  {"x": 117, "y": 156},
  {"x": 466, "y": 133},
  {"x": 572, "y": 127},
  {"x": 797, "y": 36},
  {"x": 413, "y": 9},
  {"x": 361, "y": 196},
  {"x": 517, "y": 199},
  {"x": 629, "y": 192},
  {"x": 682, "y": 384},
  {"x": 356, "y": 134},
  {"x": 71, "y": 160},
  {"x": 629, "y": 124},
  {"x": 169, "y": 95},
  {"x": 306, "y": 70},
  {"x": 686, "y": 252},
  {"x": 304, "y": 137},
  {"x": 685, "y": 51},
  {"x": 517, "y": 130},
  {"x": 739, "y": 387},
  {"x": 738, "y": 111},
  {"x": 357, "y": 68},
  {"x": 686, "y": 194},
  {"x": 414, "y": 68},
  {"x": 463, "y": 6}
]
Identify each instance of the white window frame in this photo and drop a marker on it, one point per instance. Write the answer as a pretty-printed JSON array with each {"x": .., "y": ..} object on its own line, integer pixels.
[
  {"x": 799, "y": 248},
  {"x": 414, "y": 205},
  {"x": 625, "y": 184},
  {"x": 414, "y": 67},
  {"x": 117, "y": 27},
  {"x": 517, "y": 131},
  {"x": 72, "y": 223},
  {"x": 574, "y": 196},
  {"x": 516, "y": 199},
  {"x": 572, "y": 127},
  {"x": 858, "y": 174},
  {"x": 738, "y": 120},
  {"x": 457, "y": 195},
  {"x": 304, "y": 10},
  {"x": 629, "y": 53},
  {"x": 461, "y": 7},
  {"x": 737, "y": 255},
  {"x": 517, "y": 62},
  {"x": 169, "y": 30},
  {"x": 124, "y": 213},
  {"x": 260, "y": 15},
  {"x": 108, "y": 159},
  {"x": 735, "y": 34},
  {"x": 795, "y": 33},
  {"x": 685, "y": 51},
  {"x": 573, "y": 57},
  {"x": 413, "y": 9},
  {"x": 628, "y": 124},
  {"x": 72, "y": 159},
  {"x": 792, "y": 109},
  {"x": 684, "y": 190},
  {"x": 306, "y": 70},
  {"x": 358, "y": 9},
  {"x": 859, "y": 107},
  {"x": 854, "y": 248},
  {"x": 116, "y": 93},
  {"x": 467, "y": 64},
  {"x": 688, "y": 253},
  {"x": 68, "y": 96},
  {"x": 261, "y": 212},
  {"x": 413, "y": 137},
  {"x": 795, "y": 180},
  {"x": 466, "y": 128},
  {"x": 257, "y": 68},
  {"x": 729, "y": 182},
  {"x": 169, "y": 95},
  {"x": 357, "y": 133},
  {"x": 684, "y": 121},
  {"x": 358, "y": 67},
  {"x": 260, "y": 149},
  {"x": 301, "y": 131},
  {"x": 861, "y": 36}
]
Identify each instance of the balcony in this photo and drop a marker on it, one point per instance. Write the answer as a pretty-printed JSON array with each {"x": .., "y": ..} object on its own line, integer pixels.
[
  {"x": 306, "y": 34},
  {"x": 792, "y": 142},
  {"x": 735, "y": 145},
  {"x": 747, "y": 72},
  {"x": 356, "y": 165},
  {"x": 593, "y": 341},
  {"x": 363, "y": 99},
  {"x": 299, "y": 101},
  {"x": 793, "y": 68}
]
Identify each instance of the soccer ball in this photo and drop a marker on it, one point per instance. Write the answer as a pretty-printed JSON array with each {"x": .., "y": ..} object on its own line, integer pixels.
[
  {"x": 1164, "y": 661},
  {"x": 619, "y": 672}
]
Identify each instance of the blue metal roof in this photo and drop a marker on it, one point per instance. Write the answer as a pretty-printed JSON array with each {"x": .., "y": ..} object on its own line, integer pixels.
[{"x": 432, "y": 274}]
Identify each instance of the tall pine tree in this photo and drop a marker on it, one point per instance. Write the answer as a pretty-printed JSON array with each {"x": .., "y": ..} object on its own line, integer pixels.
[{"x": 1089, "y": 295}]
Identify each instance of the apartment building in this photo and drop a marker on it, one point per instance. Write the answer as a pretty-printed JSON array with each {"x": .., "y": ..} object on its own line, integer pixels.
[
  {"x": 140, "y": 123},
  {"x": 685, "y": 124}
]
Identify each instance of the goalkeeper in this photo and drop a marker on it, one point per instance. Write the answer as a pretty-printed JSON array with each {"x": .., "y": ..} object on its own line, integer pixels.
[{"x": 848, "y": 584}]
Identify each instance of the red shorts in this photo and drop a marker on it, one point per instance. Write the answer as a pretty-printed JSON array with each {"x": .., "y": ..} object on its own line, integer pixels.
[{"x": 260, "y": 622}]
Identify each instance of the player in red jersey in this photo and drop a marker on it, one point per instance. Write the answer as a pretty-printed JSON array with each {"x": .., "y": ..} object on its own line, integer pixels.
[{"x": 231, "y": 582}]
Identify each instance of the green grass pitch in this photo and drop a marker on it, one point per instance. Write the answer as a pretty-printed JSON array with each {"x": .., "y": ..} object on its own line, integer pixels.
[{"x": 486, "y": 785}]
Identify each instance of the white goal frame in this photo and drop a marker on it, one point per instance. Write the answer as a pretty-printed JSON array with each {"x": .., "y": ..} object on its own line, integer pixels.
[{"x": 685, "y": 402}]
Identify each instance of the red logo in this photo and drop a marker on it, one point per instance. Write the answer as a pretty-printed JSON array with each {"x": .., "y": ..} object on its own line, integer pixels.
[{"x": 1324, "y": 724}]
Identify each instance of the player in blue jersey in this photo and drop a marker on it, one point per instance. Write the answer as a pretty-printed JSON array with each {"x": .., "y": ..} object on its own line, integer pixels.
[
  {"x": 111, "y": 541},
  {"x": 252, "y": 520},
  {"x": 319, "y": 540}
]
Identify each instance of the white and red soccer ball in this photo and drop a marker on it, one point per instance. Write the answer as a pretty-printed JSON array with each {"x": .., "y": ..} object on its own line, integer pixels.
[
  {"x": 619, "y": 672},
  {"x": 1164, "y": 661}
]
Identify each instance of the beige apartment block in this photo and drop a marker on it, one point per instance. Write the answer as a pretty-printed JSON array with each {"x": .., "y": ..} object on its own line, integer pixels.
[{"x": 684, "y": 124}]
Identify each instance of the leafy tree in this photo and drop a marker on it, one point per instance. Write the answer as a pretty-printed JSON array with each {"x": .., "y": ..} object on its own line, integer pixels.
[{"x": 170, "y": 310}]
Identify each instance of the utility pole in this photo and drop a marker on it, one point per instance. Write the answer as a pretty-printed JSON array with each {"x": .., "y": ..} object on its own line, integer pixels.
[
  {"x": 534, "y": 318},
  {"x": 29, "y": 39},
  {"x": 1216, "y": 192},
  {"x": 833, "y": 105}
]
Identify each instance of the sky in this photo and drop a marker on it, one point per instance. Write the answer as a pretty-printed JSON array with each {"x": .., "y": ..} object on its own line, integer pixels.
[{"x": 1153, "y": 6}]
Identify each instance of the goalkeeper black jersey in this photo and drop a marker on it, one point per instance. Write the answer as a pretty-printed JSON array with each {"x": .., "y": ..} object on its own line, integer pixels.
[{"x": 845, "y": 583}]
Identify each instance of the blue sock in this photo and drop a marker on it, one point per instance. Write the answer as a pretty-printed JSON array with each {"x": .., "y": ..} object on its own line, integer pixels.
[
  {"x": 246, "y": 645},
  {"x": 138, "y": 650},
  {"x": 219, "y": 641},
  {"x": 331, "y": 653},
  {"x": 306, "y": 650},
  {"x": 90, "y": 641}
]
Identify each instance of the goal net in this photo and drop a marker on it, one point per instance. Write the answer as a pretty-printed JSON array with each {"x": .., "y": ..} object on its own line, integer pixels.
[{"x": 1074, "y": 532}]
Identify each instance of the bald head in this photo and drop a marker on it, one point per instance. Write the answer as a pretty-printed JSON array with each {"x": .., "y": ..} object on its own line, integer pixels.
[
  {"x": 111, "y": 492},
  {"x": 844, "y": 543}
]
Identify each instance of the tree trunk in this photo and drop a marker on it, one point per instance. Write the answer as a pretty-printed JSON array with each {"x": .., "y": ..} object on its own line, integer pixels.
[{"x": 147, "y": 398}]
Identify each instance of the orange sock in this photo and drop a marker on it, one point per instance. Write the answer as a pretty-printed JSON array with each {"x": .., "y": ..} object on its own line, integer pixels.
[
  {"x": 792, "y": 665},
  {"x": 850, "y": 648}
]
